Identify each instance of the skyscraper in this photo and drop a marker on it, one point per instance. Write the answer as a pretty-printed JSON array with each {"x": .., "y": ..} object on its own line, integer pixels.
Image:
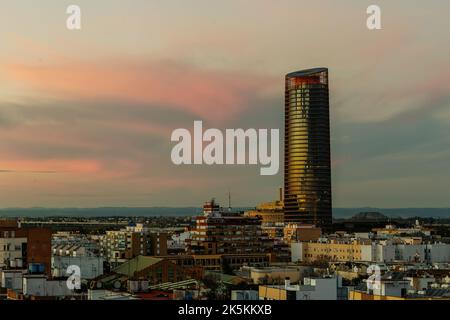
[{"x": 307, "y": 165}]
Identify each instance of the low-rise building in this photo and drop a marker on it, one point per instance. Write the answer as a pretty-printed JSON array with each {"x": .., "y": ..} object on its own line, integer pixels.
[
  {"x": 327, "y": 250},
  {"x": 244, "y": 295},
  {"x": 22, "y": 285},
  {"x": 153, "y": 269},
  {"x": 275, "y": 274},
  {"x": 176, "y": 244},
  {"x": 119, "y": 246},
  {"x": 12, "y": 279},
  {"x": 90, "y": 266},
  {"x": 392, "y": 230},
  {"x": 348, "y": 248},
  {"x": 397, "y": 286},
  {"x": 323, "y": 288},
  {"x": 398, "y": 251},
  {"x": 20, "y": 247}
]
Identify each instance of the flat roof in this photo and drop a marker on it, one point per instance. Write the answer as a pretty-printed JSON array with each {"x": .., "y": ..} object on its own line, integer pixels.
[{"x": 306, "y": 72}]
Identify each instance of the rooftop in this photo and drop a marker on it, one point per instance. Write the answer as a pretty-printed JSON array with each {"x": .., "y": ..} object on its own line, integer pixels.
[{"x": 137, "y": 264}]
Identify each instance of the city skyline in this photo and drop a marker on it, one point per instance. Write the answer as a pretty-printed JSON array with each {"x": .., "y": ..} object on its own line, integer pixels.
[{"x": 85, "y": 119}]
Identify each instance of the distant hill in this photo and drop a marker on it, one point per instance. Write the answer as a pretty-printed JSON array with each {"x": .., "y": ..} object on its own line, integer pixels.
[
  {"x": 347, "y": 213},
  {"x": 370, "y": 216},
  {"x": 100, "y": 212},
  {"x": 338, "y": 213},
  {"x": 104, "y": 212}
]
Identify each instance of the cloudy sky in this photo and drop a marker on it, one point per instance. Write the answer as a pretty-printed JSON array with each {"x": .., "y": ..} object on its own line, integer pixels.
[{"x": 86, "y": 116}]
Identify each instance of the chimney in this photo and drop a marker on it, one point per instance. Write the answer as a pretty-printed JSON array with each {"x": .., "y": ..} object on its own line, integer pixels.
[{"x": 281, "y": 194}]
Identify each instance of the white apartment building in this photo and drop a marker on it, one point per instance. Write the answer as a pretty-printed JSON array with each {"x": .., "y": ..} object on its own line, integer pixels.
[
  {"x": 386, "y": 251},
  {"x": 119, "y": 246},
  {"x": 324, "y": 288},
  {"x": 11, "y": 251}
]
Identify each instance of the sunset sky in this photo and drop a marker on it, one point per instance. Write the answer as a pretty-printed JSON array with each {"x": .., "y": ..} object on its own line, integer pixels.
[{"x": 86, "y": 116}]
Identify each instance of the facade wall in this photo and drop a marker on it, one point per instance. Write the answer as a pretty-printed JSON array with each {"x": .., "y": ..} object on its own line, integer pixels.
[
  {"x": 420, "y": 283},
  {"x": 324, "y": 289},
  {"x": 440, "y": 252},
  {"x": 275, "y": 275},
  {"x": 215, "y": 262},
  {"x": 57, "y": 289},
  {"x": 432, "y": 253},
  {"x": 393, "y": 289},
  {"x": 271, "y": 293},
  {"x": 158, "y": 243},
  {"x": 358, "y": 295},
  {"x": 240, "y": 295},
  {"x": 39, "y": 247},
  {"x": 315, "y": 251},
  {"x": 12, "y": 280},
  {"x": 119, "y": 246},
  {"x": 34, "y": 286},
  {"x": 368, "y": 253},
  {"x": 313, "y": 289},
  {"x": 296, "y": 233},
  {"x": 34, "y": 243},
  {"x": 377, "y": 253},
  {"x": 296, "y": 251},
  {"x": 91, "y": 267},
  {"x": 12, "y": 252},
  {"x": 41, "y": 287}
]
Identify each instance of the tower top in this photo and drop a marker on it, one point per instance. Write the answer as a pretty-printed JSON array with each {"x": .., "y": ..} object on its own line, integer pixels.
[{"x": 307, "y": 72}]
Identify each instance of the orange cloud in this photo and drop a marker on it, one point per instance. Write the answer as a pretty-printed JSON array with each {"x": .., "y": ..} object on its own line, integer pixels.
[{"x": 50, "y": 166}]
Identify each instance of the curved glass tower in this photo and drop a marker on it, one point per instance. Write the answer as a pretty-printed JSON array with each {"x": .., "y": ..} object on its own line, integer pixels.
[{"x": 307, "y": 165}]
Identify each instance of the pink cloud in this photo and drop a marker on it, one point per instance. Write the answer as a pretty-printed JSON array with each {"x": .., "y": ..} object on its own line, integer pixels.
[
  {"x": 41, "y": 147},
  {"x": 212, "y": 95}
]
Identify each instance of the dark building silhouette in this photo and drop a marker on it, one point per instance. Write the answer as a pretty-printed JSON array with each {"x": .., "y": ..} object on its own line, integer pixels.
[{"x": 307, "y": 165}]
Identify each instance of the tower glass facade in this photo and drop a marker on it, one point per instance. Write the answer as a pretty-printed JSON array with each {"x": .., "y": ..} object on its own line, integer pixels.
[{"x": 307, "y": 165}]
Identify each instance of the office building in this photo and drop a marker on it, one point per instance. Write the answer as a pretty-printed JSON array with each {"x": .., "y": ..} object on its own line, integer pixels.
[{"x": 307, "y": 165}]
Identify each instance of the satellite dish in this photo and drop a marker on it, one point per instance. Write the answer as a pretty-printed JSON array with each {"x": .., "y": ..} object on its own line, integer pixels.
[{"x": 117, "y": 284}]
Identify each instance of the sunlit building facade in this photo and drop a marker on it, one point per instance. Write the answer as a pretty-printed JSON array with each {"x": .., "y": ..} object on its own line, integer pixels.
[
  {"x": 272, "y": 217},
  {"x": 307, "y": 172},
  {"x": 218, "y": 232}
]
